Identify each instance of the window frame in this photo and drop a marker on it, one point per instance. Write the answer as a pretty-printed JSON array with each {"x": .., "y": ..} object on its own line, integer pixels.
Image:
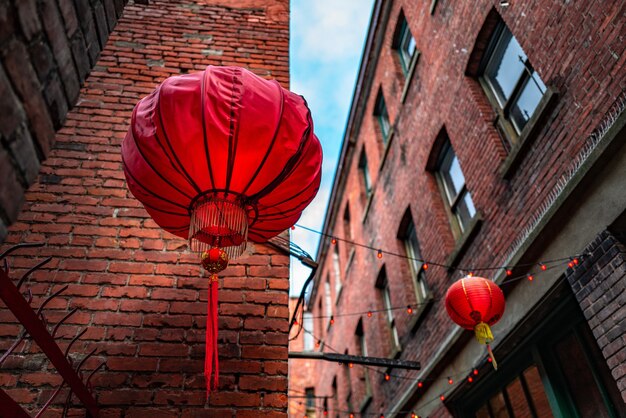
[
  {"x": 507, "y": 124},
  {"x": 402, "y": 39},
  {"x": 366, "y": 179},
  {"x": 452, "y": 203},
  {"x": 381, "y": 113},
  {"x": 418, "y": 274}
]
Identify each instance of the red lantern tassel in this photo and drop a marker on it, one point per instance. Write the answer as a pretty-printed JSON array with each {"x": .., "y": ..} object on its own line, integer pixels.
[{"x": 211, "y": 361}]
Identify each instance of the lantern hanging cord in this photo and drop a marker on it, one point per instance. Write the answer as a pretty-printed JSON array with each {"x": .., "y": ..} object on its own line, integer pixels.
[{"x": 381, "y": 252}]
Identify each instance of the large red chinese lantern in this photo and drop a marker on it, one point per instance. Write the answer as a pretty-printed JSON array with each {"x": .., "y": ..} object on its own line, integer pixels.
[
  {"x": 476, "y": 303},
  {"x": 221, "y": 157}
]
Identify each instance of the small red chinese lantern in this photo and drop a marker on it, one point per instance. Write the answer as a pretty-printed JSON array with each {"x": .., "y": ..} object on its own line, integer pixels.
[
  {"x": 476, "y": 303},
  {"x": 222, "y": 157}
]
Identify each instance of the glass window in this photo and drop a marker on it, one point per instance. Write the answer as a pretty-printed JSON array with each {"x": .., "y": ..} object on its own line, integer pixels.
[
  {"x": 382, "y": 116},
  {"x": 336, "y": 271},
  {"x": 516, "y": 86},
  {"x": 405, "y": 44},
  {"x": 310, "y": 402},
  {"x": 365, "y": 174},
  {"x": 307, "y": 325},
  {"x": 395, "y": 340},
  {"x": 411, "y": 246},
  {"x": 328, "y": 312},
  {"x": 452, "y": 181}
]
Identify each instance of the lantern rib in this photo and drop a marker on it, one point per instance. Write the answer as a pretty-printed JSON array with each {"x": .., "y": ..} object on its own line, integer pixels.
[
  {"x": 233, "y": 128},
  {"x": 161, "y": 176},
  {"x": 287, "y": 200},
  {"x": 291, "y": 164},
  {"x": 269, "y": 150},
  {"x": 167, "y": 140},
  {"x": 150, "y": 192},
  {"x": 204, "y": 134}
]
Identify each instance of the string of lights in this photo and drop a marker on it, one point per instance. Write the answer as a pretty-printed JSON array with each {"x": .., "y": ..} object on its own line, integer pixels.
[
  {"x": 410, "y": 309},
  {"x": 470, "y": 375},
  {"x": 427, "y": 263}
]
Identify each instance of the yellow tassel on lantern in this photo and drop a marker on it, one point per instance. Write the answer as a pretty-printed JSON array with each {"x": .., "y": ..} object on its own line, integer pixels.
[
  {"x": 483, "y": 333},
  {"x": 484, "y": 336}
]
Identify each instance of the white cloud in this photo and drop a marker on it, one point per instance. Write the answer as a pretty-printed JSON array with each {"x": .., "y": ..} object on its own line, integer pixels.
[{"x": 329, "y": 29}]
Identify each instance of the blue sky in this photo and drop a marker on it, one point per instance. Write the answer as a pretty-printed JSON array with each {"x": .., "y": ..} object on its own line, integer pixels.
[{"x": 327, "y": 39}]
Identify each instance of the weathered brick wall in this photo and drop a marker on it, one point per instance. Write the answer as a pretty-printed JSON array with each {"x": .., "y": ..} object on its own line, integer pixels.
[
  {"x": 47, "y": 49},
  {"x": 577, "y": 47},
  {"x": 600, "y": 288},
  {"x": 300, "y": 370},
  {"x": 141, "y": 295}
]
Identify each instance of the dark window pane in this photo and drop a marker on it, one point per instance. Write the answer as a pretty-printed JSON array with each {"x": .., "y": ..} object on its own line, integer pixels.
[
  {"x": 407, "y": 47},
  {"x": 505, "y": 66},
  {"x": 498, "y": 406},
  {"x": 580, "y": 380},
  {"x": 537, "y": 393},
  {"x": 517, "y": 400},
  {"x": 527, "y": 101}
]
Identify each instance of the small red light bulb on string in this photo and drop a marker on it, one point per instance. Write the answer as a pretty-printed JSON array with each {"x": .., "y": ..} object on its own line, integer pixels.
[
  {"x": 570, "y": 264},
  {"x": 293, "y": 227},
  {"x": 382, "y": 416},
  {"x": 475, "y": 372},
  {"x": 509, "y": 272},
  {"x": 317, "y": 343},
  {"x": 351, "y": 415},
  {"x": 425, "y": 266},
  {"x": 409, "y": 310},
  {"x": 442, "y": 398},
  {"x": 325, "y": 412},
  {"x": 350, "y": 365},
  {"x": 470, "y": 274},
  {"x": 531, "y": 277},
  {"x": 543, "y": 267},
  {"x": 333, "y": 240},
  {"x": 387, "y": 377},
  {"x": 470, "y": 379},
  {"x": 295, "y": 322},
  {"x": 369, "y": 314},
  {"x": 450, "y": 381},
  {"x": 332, "y": 320},
  {"x": 420, "y": 384},
  {"x": 489, "y": 359},
  {"x": 576, "y": 261},
  {"x": 379, "y": 254}
]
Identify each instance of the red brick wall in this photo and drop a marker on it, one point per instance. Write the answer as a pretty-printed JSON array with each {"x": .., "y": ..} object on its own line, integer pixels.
[
  {"x": 576, "y": 49},
  {"x": 300, "y": 370},
  {"x": 140, "y": 294},
  {"x": 599, "y": 286},
  {"x": 47, "y": 48}
]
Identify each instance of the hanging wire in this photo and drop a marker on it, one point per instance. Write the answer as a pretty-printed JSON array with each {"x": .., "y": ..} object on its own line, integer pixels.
[{"x": 381, "y": 251}]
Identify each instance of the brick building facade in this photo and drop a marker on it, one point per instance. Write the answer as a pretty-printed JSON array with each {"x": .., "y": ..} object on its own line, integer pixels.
[
  {"x": 481, "y": 133},
  {"x": 140, "y": 294}
]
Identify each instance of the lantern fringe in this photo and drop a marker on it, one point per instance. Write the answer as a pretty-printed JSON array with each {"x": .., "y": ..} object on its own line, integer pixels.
[{"x": 211, "y": 361}]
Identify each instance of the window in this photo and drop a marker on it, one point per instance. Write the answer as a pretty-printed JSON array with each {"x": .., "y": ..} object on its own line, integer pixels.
[
  {"x": 382, "y": 116},
  {"x": 365, "y": 174},
  {"x": 513, "y": 85},
  {"x": 328, "y": 308},
  {"x": 385, "y": 294},
  {"x": 310, "y": 402},
  {"x": 362, "y": 382},
  {"x": 335, "y": 398},
  {"x": 336, "y": 271},
  {"x": 404, "y": 43},
  {"x": 307, "y": 325},
  {"x": 411, "y": 246},
  {"x": 347, "y": 226},
  {"x": 457, "y": 197}
]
